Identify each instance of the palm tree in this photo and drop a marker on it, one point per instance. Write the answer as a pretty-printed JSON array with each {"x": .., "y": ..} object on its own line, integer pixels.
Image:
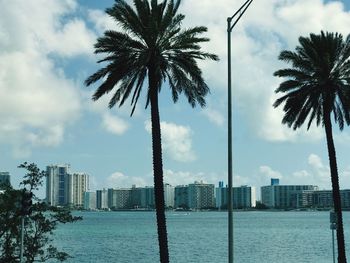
[
  {"x": 317, "y": 86},
  {"x": 151, "y": 45}
]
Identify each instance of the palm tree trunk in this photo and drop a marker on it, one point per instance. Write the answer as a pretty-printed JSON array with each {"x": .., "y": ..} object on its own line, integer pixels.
[
  {"x": 335, "y": 187},
  {"x": 158, "y": 173}
]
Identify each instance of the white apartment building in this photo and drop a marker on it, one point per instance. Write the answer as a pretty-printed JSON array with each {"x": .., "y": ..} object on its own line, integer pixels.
[{"x": 169, "y": 192}]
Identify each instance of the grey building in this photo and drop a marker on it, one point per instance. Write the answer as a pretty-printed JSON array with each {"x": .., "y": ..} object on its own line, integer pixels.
[
  {"x": 4, "y": 179},
  {"x": 57, "y": 184},
  {"x": 119, "y": 198},
  {"x": 324, "y": 198},
  {"x": 181, "y": 196},
  {"x": 287, "y": 196},
  {"x": 242, "y": 197},
  {"x": 102, "y": 199},
  {"x": 89, "y": 200},
  {"x": 201, "y": 195},
  {"x": 147, "y": 197}
]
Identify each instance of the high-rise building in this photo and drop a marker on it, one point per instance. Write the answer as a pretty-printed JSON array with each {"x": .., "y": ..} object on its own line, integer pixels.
[
  {"x": 78, "y": 183},
  {"x": 324, "y": 198},
  {"x": 181, "y": 196},
  {"x": 119, "y": 198},
  {"x": 57, "y": 184},
  {"x": 65, "y": 188},
  {"x": 221, "y": 196},
  {"x": 287, "y": 196},
  {"x": 201, "y": 195},
  {"x": 102, "y": 199},
  {"x": 242, "y": 197},
  {"x": 89, "y": 200},
  {"x": 147, "y": 197},
  {"x": 4, "y": 179},
  {"x": 169, "y": 192}
]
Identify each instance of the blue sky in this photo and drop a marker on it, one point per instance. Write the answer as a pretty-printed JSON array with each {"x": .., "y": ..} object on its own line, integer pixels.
[{"x": 47, "y": 116}]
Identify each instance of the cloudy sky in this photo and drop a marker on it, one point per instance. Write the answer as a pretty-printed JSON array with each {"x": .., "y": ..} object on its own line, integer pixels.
[{"x": 47, "y": 116}]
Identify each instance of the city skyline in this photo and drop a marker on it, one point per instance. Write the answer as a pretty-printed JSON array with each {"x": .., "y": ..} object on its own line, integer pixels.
[{"x": 48, "y": 116}]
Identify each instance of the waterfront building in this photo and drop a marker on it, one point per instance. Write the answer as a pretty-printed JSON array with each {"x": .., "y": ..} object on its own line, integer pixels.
[
  {"x": 102, "y": 199},
  {"x": 147, "y": 197},
  {"x": 169, "y": 192},
  {"x": 242, "y": 197},
  {"x": 119, "y": 198},
  {"x": 221, "y": 196},
  {"x": 324, "y": 198},
  {"x": 345, "y": 198},
  {"x": 136, "y": 197},
  {"x": 89, "y": 200},
  {"x": 78, "y": 183},
  {"x": 4, "y": 179},
  {"x": 287, "y": 196},
  {"x": 56, "y": 184},
  {"x": 65, "y": 188},
  {"x": 181, "y": 196},
  {"x": 201, "y": 195}
]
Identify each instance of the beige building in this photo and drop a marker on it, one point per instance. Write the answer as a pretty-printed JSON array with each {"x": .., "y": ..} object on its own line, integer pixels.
[{"x": 78, "y": 183}]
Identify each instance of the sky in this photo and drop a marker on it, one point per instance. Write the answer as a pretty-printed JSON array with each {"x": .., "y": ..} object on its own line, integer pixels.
[{"x": 47, "y": 115}]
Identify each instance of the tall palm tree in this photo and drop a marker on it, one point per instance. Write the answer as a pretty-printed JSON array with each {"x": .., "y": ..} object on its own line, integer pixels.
[
  {"x": 317, "y": 86},
  {"x": 151, "y": 45}
]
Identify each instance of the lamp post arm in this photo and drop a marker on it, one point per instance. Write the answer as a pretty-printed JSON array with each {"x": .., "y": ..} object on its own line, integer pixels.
[{"x": 240, "y": 11}]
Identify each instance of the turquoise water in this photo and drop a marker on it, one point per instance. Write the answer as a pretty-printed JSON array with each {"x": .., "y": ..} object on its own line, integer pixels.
[{"x": 201, "y": 237}]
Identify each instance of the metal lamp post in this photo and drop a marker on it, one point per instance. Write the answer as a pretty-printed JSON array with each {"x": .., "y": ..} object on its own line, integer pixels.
[{"x": 239, "y": 12}]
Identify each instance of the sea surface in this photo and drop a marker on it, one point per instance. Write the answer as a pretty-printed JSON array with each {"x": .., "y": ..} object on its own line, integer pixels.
[{"x": 131, "y": 237}]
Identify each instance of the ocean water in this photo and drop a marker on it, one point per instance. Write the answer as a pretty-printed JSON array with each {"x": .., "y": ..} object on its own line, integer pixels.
[{"x": 130, "y": 237}]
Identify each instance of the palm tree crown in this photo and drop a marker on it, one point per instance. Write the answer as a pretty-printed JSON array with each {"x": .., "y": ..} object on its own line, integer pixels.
[
  {"x": 150, "y": 39},
  {"x": 319, "y": 81}
]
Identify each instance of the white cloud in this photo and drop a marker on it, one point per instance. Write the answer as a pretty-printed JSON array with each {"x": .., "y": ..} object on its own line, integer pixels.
[
  {"x": 37, "y": 99},
  {"x": 214, "y": 116},
  {"x": 73, "y": 39},
  {"x": 120, "y": 180},
  {"x": 176, "y": 141},
  {"x": 268, "y": 172},
  {"x": 114, "y": 124},
  {"x": 101, "y": 20}
]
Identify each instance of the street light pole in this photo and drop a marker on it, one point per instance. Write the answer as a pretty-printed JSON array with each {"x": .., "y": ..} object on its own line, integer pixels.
[{"x": 239, "y": 12}]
